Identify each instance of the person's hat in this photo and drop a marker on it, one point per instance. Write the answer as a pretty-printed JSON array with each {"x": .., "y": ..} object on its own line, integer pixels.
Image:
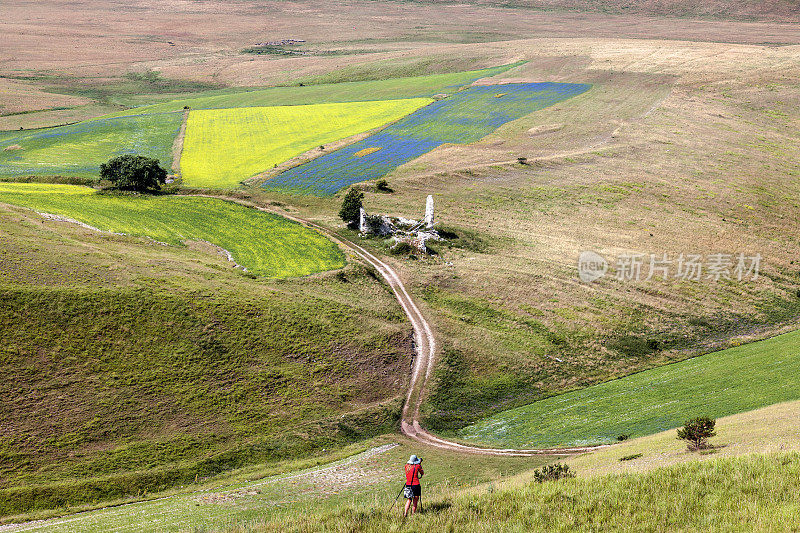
[{"x": 414, "y": 460}]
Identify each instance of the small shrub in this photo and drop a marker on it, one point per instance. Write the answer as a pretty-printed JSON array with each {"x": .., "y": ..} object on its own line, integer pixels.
[
  {"x": 341, "y": 276},
  {"x": 630, "y": 457},
  {"x": 653, "y": 344},
  {"x": 623, "y": 437},
  {"x": 401, "y": 248},
  {"x": 522, "y": 160},
  {"x": 463, "y": 238},
  {"x": 383, "y": 186},
  {"x": 697, "y": 431},
  {"x": 552, "y": 473}
]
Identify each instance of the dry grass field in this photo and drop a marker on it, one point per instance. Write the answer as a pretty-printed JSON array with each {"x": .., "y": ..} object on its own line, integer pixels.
[{"x": 678, "y": 148}]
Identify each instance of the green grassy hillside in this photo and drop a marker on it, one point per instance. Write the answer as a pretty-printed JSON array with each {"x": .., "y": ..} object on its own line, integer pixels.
[
  {"x": 265, "y": 244},
  {"x": 362, "y": 486},
  {"x": 746, "y": 482},
  {"x": 367, "y": 474},
  {"x": 718, "y": 384},
  {"x": 752, "y": 493},
  {"x": 128, "y": 367}
]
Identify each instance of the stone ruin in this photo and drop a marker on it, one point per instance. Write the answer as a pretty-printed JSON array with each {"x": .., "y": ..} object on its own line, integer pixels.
[{"x": 414, "y": 232}]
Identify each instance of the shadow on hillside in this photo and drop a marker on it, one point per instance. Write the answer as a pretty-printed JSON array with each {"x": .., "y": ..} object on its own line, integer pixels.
[{"x": 436, "y": 507}]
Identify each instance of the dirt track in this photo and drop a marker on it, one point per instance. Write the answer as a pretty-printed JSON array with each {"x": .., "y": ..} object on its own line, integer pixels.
[
  {"x": 425, "y": 358},
  {"x": 425, "y": 344}
]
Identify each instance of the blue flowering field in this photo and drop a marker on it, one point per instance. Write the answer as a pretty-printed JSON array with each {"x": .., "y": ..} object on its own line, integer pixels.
[{"x": 465, "y": 117}]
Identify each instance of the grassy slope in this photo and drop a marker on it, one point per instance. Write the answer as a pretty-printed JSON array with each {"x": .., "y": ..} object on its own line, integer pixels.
[
  {"x": 225, "y": 146},
  {"x": 128, "y": 366},
  {"x": 265, "y": 244},
  {"x": 717, "y": 384},
  {"x": 769, "y": 429},
  {"x": 79, "y": 149},
  {"x": 774, "y": 10},
  {"x": 747, "y": 483},
  {"x": 305, "y": 500},
  {"x": 257, "y": 492},
  {"x": 754, "y": 493}
]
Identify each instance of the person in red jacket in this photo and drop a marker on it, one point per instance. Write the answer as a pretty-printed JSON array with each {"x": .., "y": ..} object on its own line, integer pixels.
[{"x": 413, "y": 490}]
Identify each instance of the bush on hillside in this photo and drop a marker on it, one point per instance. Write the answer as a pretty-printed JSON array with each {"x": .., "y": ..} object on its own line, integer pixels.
[
  {"x": 134, "y": 173},
  {"x": 383, "y": 186},
  {"x": 351, "y": 206},
  {"x": 401, "y": 248},
  {"x": 552, "y": 473},
  {"x": 697, "y": 431}
]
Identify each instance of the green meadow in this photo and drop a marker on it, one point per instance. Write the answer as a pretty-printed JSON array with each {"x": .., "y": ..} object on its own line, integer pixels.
[
  {"x": 79, "y": 149},
  {"x": 258, "y": 492},
  {"x": 344, "y": 91},
  {"x": 751, "y": 493},
  {"x": 717, "y": 384},
  {"x": 265, "y": 244}
]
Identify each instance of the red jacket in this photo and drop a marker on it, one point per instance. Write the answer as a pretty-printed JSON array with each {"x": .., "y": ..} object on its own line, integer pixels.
[{"x": 413, "y": 473}]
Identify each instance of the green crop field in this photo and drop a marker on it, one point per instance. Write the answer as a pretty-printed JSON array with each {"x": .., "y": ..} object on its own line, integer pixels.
[
  {"x": 263, "y": 243},
  {"x": 348, "y": 91},
  {"x": 79, "y": 149},
  {"x": 717, "y": 384},
  {"x": 225, "y": 146}
]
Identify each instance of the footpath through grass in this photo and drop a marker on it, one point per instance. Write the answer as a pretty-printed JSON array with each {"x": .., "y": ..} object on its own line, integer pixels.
[
  {"x": 370, "y": 479},
  {"x": 265, "y": 244},
  {"x": 225, "y": 146},
  {"x": 717, "y": 384}
]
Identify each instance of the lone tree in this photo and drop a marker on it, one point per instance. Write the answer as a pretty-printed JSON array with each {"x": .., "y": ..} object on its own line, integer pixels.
[
  {"x": 351, "y": 206},
  {"x": 134, "y": 173},
  {"x": 697, "y": 431}
]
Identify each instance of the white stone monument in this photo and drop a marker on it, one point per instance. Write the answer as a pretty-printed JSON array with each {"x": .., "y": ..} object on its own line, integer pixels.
[
  {"x": 429, "y": 212},
  {"x": 362, "y": 220}
]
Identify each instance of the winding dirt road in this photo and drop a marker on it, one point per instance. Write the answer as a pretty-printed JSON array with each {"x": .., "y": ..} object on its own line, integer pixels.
[{"x": 425, "y": 347}]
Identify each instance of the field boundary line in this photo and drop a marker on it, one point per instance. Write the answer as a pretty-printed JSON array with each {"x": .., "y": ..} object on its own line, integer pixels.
[{"x": 177, "y": 145}]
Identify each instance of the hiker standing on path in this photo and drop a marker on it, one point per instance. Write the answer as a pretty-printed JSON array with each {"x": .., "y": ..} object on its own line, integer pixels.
[{"x": 413, "y": 490}]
